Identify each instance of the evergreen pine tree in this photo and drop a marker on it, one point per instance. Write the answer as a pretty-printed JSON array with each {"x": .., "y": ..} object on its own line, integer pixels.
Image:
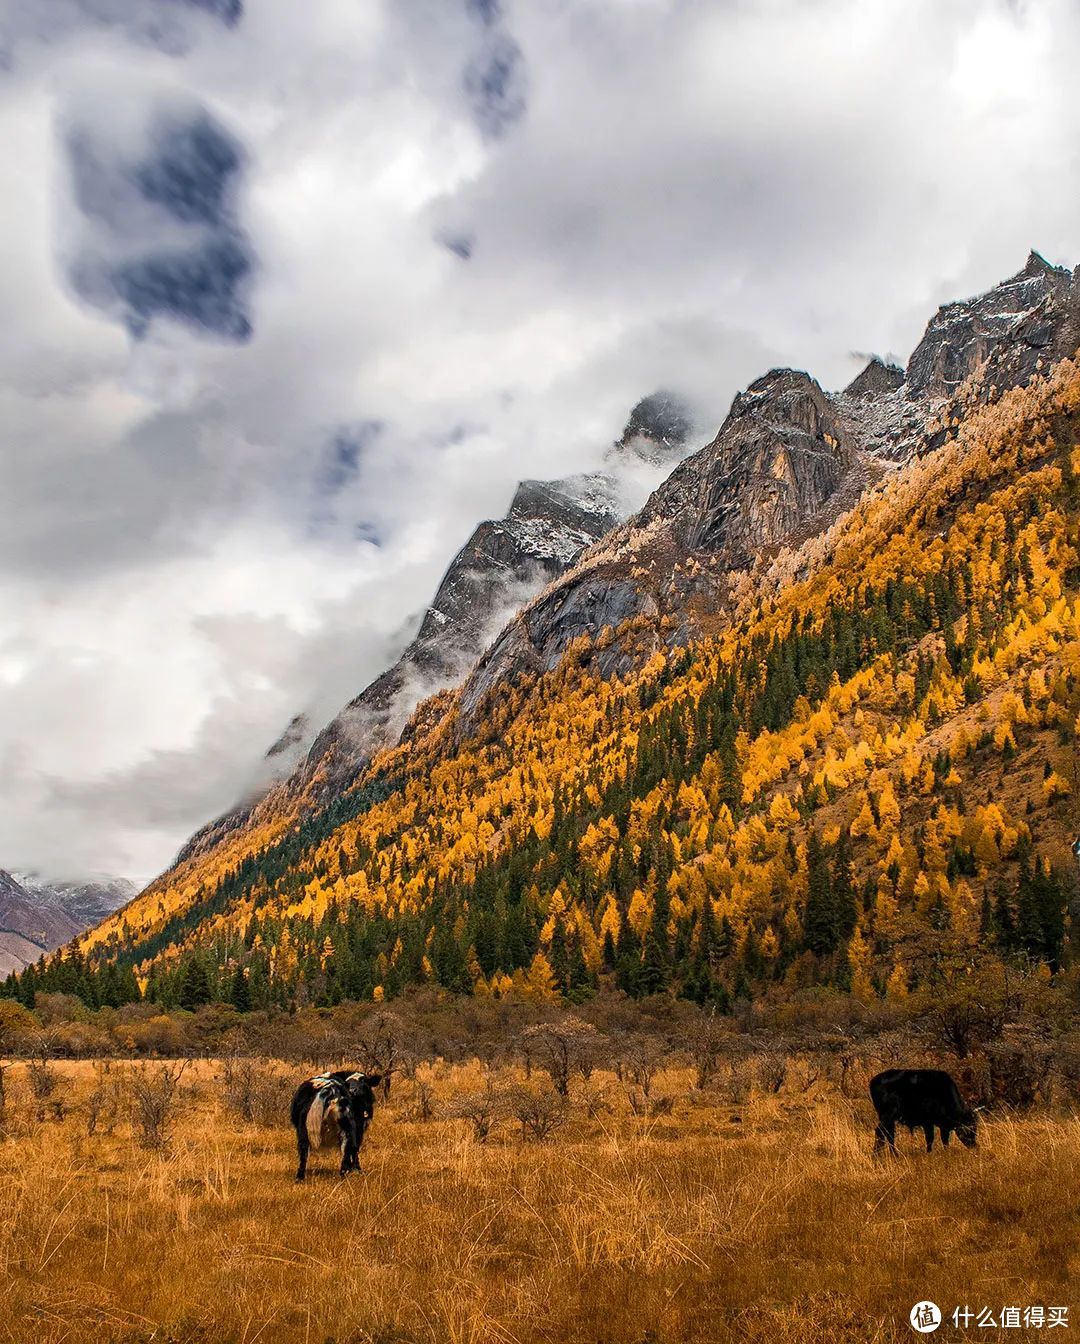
[
  {"x": 845, "y": 901},
  {"x": 193, "y": 990},
  {"x": 240, "y": 991},
  {"x": 820, "y": 922}
]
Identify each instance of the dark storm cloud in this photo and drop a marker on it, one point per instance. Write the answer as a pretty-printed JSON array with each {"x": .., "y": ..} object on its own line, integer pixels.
[
  {"x": 338, "y": 467},
  {"x": 164, "y": 240},
  {"x": 487, "y": 12},
  {"x": 460, "y": 244},
  {"x": 495, "y": 83}
]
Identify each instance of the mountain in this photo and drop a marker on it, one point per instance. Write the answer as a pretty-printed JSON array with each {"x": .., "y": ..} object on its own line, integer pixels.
[
  {"x": 501, "y": 566},
  {"x": 781, "y": 458},
  {"x": 1022, "y": 325},
  {"x": 819, "y": 697},
  {"x": 37, "y": 916},
  {"x": 659, "y": 427},
  {"x": 504, "y": 563},
  {"x": 788, "y": 459}
]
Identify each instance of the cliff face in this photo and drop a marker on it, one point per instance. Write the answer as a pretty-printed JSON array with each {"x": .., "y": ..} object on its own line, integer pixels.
[
  {"x": 499, "y": 570},
  {"x": 779, "y": 456},
  {"x": 1026, "y": 322},
  {"x": 877, "y": 379},
  {"x": 659, "y": 425},
  {"x": 503, "y": 564},
  {"x": 779, "y": 464}
]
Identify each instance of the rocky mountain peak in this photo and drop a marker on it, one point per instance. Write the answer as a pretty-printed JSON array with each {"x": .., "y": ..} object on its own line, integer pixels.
[
  {"x": 658, "y": 428},
  {"x": 779, "y": 397},
  {"x": 1037, "y": 264},
  {"x": 782, "y": 457},
  {"x": 775, "y": 460},
  {"x": 877, "y": 379},
  {"x": 1030, "y": 317}
]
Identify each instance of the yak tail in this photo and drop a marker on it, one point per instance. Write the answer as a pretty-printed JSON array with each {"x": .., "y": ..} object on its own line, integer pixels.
[{"x": 314, "y": 1122}]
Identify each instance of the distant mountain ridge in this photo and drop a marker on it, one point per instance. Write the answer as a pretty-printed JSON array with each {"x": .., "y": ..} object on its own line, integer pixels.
[{"x": 37, "y": 916}]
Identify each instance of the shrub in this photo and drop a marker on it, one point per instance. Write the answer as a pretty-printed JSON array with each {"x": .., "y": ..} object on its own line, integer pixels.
[
  {"x": 594, "y": 1098},
  {"x": 643, "y": 1057},
  {"x": 421, "y": 1105},
  {"x": 563, "y": 1048},
  {"x": 481, "y": 1109},
  {"x": 1020, "y": 1073},
  {"x": 540, "y": 1113},
  {"x": 772, "y": 1069},
  {"x": 254, "y": 1091},
  {"x": 705, "y": 1042},
  {"x": 736, "y": 1080},
  {"x": 155, "y": 1093},
  {"x": 1067, "y": 1065},
  {"x": 41, "y": 1075},
  {"x": 102, "y": 1104}
]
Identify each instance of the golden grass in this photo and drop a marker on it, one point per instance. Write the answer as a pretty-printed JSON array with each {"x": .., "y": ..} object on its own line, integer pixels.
[{"x": 769, "y": 1220}]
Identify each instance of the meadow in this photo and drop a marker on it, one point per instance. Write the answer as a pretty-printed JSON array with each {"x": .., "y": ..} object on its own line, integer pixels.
[{"x": 142, "y": 1201}]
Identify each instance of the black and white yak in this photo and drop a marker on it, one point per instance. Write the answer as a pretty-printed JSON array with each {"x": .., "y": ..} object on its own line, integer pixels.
[{"x": 333, "y": 1108}]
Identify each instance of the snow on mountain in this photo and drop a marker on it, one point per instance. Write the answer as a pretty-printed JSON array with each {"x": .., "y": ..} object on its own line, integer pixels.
[{"x": 37, "y": 915}]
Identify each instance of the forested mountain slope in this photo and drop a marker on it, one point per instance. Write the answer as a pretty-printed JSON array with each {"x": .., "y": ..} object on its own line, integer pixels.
[
  {"x": 878, "y": 737},
  {"x": 817, "y": 703}
]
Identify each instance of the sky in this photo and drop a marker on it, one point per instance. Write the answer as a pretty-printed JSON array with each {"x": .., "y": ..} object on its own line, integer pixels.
[{"x": 293, "y": 295}]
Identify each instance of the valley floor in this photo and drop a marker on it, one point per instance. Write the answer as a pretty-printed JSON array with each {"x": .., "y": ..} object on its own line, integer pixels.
[{"x": 740, "y": 1214}]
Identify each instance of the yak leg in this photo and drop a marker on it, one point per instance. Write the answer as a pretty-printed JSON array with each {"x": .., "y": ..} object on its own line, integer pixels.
[
  {"x": 351, "y": 1135},
  {"x": 303, "y": 1145},
  {"x": 885, "y": 1133},
  {"x": 928, "y": 1130},
  {"x": 946, "y": 1135}
]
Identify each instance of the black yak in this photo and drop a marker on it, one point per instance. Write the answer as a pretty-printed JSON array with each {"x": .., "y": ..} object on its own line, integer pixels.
[
  {"x": 333, "y": 1107},
  {"x": 921, "y": 1099}
]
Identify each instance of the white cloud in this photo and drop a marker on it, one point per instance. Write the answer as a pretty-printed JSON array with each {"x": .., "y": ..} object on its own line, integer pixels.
[{"x": 670, "y": 193}]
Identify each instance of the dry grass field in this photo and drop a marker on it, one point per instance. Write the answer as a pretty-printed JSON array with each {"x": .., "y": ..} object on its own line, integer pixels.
[{"x": 739, "y": 1215}]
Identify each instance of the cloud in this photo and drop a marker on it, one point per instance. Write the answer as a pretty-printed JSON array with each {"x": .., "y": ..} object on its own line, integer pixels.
[
  {"x": 172, "y": 26},
  {"x": 152, "y": 219},
  {"x": 495, "y": 83},
  {"x": 241, "y": 238}
]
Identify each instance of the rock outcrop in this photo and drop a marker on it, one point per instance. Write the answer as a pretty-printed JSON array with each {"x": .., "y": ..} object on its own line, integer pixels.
[
  {"x": 779, "y": 459},
  {"x": 876, "y": 380},
  {"x": 502, "y": 565},
  {"x": 658, "y": 428},
  {"x": 1029, "y": 320}
]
